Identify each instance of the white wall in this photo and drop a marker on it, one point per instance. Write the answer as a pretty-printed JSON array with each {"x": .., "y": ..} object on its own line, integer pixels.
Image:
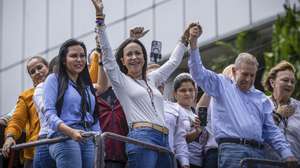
[{"x": 28, "y": 27}]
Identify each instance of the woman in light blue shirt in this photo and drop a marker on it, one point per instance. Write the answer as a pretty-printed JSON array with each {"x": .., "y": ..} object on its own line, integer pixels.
[{"x": 70, "y": 107}]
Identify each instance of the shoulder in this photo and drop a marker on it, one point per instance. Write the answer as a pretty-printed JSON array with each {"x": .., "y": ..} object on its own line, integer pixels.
[
  {"x": 52, "y": 79},
  {"x": 296, "y": 104},
  {"x": 27, "y": 93},
  {"x": 52, "y": 76},
  {"x": 38, "y": 88},
  {"x": 171, "y": 107}
]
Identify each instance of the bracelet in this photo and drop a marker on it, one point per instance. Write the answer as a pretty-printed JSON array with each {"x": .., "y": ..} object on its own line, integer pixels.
[
  {"x": 100, "y": 63},
  {"x": 99, "y": 22},
  {"x": 100, "y": 17}
]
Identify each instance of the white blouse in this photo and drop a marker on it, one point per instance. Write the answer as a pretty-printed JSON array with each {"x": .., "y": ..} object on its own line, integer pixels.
[{"x": 132, "y": 94}]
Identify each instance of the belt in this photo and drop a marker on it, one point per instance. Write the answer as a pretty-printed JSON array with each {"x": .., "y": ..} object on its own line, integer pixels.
[
  {"x": 157, "y": 127},
  {"x": 242, "y": 141}
]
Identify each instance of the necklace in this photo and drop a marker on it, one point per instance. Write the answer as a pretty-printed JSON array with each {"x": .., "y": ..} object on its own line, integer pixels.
[{"x": 150, "y": 93}]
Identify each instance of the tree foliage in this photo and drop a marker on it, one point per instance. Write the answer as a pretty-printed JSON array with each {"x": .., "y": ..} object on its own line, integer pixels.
[{"x": 286, "y": 42}]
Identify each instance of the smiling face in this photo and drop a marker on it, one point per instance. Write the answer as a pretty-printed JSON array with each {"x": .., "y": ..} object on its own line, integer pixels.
[
  {"x": 133, "y": 59},
  {"x": 75, "y": 61},
  {"x": 244, "y": 75},
  {"x": 185, "y": 94},
  {"x": 284, "y": 84},
  {"x": 37, "y": 70}
]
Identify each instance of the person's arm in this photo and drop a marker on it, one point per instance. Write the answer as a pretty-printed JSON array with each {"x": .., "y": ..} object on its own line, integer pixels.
[
  {"x": 204, "y": 101},
  {"x": 162, "y": 74},
  {"x": 18, "y": 121},
  {"x": 109, "y": 61},
  {"x": 206, "y": 79},
  {"x": 180, "y": 145},
  {"x": 102, "y": 82},
  {"x": 272, "y": 134},
  {"x": 93, "y": 71},
  {"x": 15, "y": 125}
]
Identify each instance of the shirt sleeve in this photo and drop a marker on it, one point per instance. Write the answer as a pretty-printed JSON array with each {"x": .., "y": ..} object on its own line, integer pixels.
[
  {"x": 180, "y": 144},
  {"x": 50, "y": 97},
  {"x": 273, "y": 135},
  {"x": 161, "y": 75},
  {"x": 109, "y": 61},
  {"x": 17, "y": 123},
  {"x": 208, "y": 80}
]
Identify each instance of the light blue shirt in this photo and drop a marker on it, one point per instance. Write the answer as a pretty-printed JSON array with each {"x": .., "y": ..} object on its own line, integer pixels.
[
  {"x": 235, "y": 113},
  {"x": 71, "y": 109}
]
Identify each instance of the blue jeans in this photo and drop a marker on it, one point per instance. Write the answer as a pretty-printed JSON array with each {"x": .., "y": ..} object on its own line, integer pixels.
[
  {"x": 42, "y": 157},
  {"x": 139, "y": 157},
  {"x": 231, "y": 154},
  {"x": 70, "y": 153}
]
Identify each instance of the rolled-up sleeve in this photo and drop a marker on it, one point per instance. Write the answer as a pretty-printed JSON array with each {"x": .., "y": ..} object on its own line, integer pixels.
[{"x": 50, "y": 97}]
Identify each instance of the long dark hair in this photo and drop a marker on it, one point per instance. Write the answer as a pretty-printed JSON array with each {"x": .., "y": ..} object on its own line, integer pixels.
[
  {"x": 120, "y": 53},
  {"x": 82, "y": 81}
]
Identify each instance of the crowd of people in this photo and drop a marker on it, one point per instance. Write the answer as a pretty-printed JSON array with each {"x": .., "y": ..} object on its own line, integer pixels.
[{"x": 121, "y": 93}]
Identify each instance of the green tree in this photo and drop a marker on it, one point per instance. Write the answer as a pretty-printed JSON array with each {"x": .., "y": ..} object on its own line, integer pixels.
[{"x": 286, "y": 42}]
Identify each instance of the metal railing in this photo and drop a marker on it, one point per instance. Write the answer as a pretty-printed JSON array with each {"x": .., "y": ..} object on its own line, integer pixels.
[
  {"x": 253, "y": 162},
  {"x": 99, "y": 161},
  {"x": 100, "y": 140}
]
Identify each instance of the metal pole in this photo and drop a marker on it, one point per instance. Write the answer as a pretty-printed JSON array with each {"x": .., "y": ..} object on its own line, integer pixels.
[
  {"x": 37, "y": 143},
  {"x": 132, "y": 141}
]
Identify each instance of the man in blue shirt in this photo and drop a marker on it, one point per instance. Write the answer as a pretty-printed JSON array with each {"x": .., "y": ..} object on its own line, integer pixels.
[{"x": 241, "y": 115}]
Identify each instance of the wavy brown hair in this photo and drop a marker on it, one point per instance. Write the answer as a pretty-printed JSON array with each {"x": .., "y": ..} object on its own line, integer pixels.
[{"x": 282, "y": 66}]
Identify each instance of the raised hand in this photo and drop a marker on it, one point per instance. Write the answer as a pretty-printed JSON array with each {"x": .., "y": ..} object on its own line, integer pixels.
[
  {"x": 195, "y": 31},
  {"x": 137, "y": 32},
  {"x": 98, "y": 4}
]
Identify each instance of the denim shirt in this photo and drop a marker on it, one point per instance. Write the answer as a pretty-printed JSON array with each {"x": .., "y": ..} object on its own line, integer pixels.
[
  {"x": 235, "y": 113},
  {"x": 71, "y": 109}
]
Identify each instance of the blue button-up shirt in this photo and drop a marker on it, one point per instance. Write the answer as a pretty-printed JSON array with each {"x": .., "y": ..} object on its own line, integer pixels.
[
  {"x": 235, "y": 113},
  {"x": 71, "y": 109}
]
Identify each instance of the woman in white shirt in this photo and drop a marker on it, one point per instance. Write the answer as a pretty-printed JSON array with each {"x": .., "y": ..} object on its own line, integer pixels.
[{"x": 138, "y": 94}]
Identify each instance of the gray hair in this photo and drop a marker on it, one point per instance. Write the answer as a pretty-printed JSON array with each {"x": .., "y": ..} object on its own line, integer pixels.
[{"x": 245, "y": 58}]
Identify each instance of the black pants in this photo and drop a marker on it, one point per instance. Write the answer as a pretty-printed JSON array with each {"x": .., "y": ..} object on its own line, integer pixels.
[{"x": 211, "y": 158}]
